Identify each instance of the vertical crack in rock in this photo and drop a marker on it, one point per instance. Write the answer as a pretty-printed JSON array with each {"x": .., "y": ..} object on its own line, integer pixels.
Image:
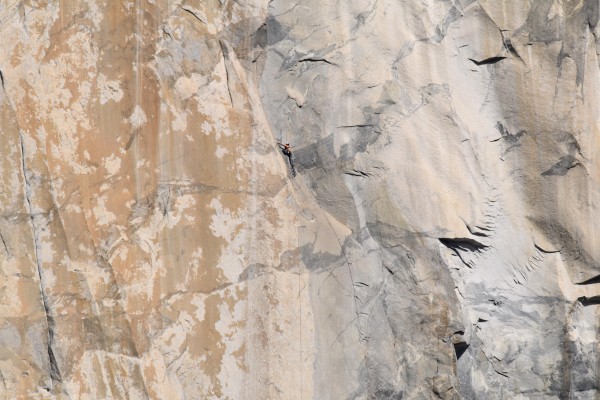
[
  {"x": 54, "y": 370},
  {"x": 568, "y": 353},
  {"x": 355, "y": 298},
  {"x": 225, "y": 51}
]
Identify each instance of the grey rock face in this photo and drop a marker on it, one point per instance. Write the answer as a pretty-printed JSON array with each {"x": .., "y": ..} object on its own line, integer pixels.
[
  {"x": 438, "y": 239},
  {"x": 455, "y": 141}
]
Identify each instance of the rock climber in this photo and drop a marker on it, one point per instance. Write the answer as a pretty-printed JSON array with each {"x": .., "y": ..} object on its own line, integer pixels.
[{"x": 286, "y": 150}]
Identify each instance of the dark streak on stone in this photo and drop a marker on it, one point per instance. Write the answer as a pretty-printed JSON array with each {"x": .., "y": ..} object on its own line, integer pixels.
[
  {"x": 462, "y": 244},
  {"x": 467, "y": 244},
  {"x": 591, "y": 281},
  {"x": 356, "y": 172},
  {"x": 589, "y": 301},
  {"x": 511, "y": 49},
  {"x": 193, "y": 14},
  {"x": 487, "y": 61},
  {"x": 4, "y": 243},
  {"x": 316, "y": 59},
  {"x": 562, "y": 166},
  {"x": 389, "y": 269},
  {"x": 504, "y": 374},
  {"x": 131, "y": 139},
  {"x": 226, "y": 59},
  {"x": 546, "y": 251},
  {"x": 511, "y": 138},
  {"x": 476, "y": 233}
]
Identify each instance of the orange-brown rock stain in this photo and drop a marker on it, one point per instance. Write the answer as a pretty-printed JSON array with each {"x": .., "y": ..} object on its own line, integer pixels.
[{"x": 134, "y": 245}]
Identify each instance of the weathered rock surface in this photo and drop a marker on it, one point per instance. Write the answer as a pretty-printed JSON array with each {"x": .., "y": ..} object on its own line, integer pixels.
[{"x": 438, "y": 239}]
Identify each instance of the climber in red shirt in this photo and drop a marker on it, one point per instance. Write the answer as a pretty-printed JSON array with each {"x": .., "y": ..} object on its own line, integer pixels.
[{"x": 286, "y": 150}]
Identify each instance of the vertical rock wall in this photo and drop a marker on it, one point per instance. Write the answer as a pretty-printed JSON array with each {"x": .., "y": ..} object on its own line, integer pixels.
[{"x": 437, "y": 241}]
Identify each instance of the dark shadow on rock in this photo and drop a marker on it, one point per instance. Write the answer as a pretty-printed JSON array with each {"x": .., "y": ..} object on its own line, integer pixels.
[
  {"x": 315, "y": 155},
  {"x": 460, "y": 348},
  {"x": 563, "y": 166}
]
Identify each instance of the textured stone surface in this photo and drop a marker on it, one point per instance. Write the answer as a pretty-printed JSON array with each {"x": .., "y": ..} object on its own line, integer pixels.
[{"x": 438, "y": 240}]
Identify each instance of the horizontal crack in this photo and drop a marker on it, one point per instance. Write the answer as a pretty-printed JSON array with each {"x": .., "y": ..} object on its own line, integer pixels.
[
  {"x": 315, "y": 59},
  {"x": 487, "y": 61},
  {"x": 467, "y": 244},
  {"x": 589, "y": 301}
]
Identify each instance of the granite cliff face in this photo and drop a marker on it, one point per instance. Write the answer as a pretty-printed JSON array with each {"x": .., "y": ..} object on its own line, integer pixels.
[{"x": 438, "y": 239}]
